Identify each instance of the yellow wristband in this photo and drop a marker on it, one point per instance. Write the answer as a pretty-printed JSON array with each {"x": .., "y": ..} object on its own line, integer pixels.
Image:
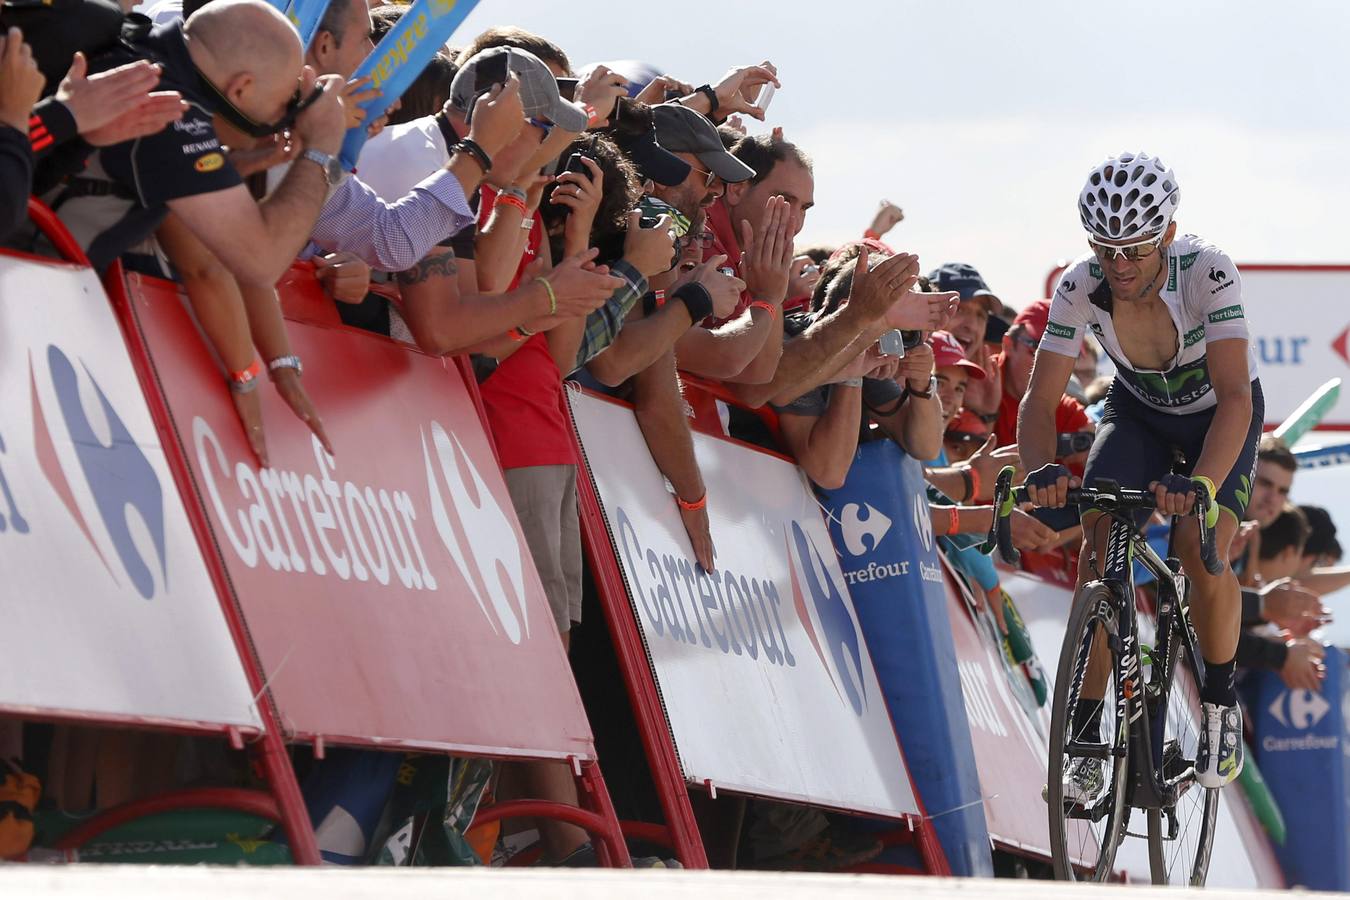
[{"x": 552, "y": 297}]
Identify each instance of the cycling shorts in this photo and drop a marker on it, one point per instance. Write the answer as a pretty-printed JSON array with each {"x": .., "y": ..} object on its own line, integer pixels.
[{"x": 1137, "y": 444}]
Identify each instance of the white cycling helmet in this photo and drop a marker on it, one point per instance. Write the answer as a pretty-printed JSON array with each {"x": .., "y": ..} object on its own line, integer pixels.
[{"x": 1132, "y": 195}]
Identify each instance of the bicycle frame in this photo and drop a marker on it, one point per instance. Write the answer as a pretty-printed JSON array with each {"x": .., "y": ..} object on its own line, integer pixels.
[{"x": 1150, "y": 786}]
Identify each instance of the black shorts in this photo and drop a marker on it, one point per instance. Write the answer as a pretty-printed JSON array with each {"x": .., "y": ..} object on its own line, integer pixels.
[{"x": 1137, "y": 444}]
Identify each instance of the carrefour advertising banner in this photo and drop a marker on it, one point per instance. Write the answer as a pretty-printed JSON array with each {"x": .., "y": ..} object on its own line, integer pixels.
[
  {"x": 880, "y": 521},
  {"x": 766, "y": 679},
  {"x": 1303, "y": 743},
  {"x": 108, "y": 610},
  {"x": 388, "y": 587}
]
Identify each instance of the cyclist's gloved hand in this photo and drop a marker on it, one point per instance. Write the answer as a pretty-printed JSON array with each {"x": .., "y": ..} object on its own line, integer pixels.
[
  {"x": 1049, "y": 485},
  {"x": 1175, "y": 494},
  {"x": 1212, "y": 513}
]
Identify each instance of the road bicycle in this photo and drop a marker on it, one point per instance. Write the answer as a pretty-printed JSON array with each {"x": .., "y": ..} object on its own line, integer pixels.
[{"x": 1148, "y": 735}]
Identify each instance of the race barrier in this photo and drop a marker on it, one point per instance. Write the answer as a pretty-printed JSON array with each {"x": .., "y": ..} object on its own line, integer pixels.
[
  {"x": 1303, "y": 745},
  {"x": 389, "y": 599},
  {"x": 1300, "y": 326},
  {"x": 754, "y": 678}
]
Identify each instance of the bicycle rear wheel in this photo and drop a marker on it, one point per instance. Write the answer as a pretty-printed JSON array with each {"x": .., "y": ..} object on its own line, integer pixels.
[
  {"x": 1084, "y": 836},
  {"x": 1180, "y": 838}
]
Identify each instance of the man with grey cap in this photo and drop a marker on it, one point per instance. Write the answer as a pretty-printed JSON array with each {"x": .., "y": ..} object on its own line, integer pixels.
[{"x": 978, "y": 303}]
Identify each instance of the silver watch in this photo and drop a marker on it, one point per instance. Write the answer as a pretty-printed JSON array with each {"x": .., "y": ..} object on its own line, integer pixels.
[
  {"x": 286, "y": 362},
  {"x": 332, "y": 167}
]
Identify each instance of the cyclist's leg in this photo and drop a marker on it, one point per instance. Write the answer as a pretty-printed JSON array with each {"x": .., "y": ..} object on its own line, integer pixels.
[
  {"x": 1216, "y": 600},
  {"x": 1126, "y": 451}
]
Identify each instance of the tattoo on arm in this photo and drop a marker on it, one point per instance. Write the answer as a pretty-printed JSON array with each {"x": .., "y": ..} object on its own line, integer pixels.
[{"x": 439, "y": 264}]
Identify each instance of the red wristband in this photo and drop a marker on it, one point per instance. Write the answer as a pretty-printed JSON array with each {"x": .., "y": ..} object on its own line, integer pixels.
[
  {"x": 954, "y": 520},
  {"x": 766, "y": 306},
  {"x": 660, "y": 298},
  {"x": 244, "y": 376},
  {"x": 591, "y": 115},
  {"x": 509, "y": 200},
  {"x": 974, "y": 483},
  {"x": 694, "y": 506},
  {"x": 871, "y": 235},
  {"x": 519, "y": 334}
]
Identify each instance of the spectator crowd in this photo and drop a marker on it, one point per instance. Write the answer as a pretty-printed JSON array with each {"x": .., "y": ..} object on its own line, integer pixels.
[{"x": 603, "y": 223}]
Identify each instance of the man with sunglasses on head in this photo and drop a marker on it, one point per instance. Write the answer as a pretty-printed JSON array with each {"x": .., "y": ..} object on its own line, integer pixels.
[{"x": 1168, "y": 311}]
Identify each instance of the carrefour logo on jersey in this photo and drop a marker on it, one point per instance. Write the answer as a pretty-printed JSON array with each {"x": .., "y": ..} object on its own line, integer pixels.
[{"x": 112, "y": 474}]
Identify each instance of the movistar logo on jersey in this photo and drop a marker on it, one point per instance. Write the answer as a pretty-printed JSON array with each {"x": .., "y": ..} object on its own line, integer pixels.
[
  {"x": 1180, "y": 387},
  {"x": 1228, "y": 313},
  {"x": 1061, "y": 331},
  {"x": 1188, "y": 260},
  {"x": 1195, "y": 335}
]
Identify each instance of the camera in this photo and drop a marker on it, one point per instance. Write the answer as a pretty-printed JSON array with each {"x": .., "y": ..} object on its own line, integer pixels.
[
  {"x": 1075, "y": 442},
  {"x": 892, "y": 343}
]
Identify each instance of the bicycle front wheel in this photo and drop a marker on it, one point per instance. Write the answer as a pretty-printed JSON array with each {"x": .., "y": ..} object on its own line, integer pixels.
[
  {"x": 1181, "y": 837},
  {"x": 1088, "y": 815}
]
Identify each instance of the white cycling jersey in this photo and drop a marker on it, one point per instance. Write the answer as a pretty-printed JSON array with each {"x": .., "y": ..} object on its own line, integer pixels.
[{"x": 1203, "y": 293}]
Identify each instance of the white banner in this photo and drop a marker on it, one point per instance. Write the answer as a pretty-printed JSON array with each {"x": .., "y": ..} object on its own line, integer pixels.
[
  {"x": 107, "y": 607},
  {"x": 761, "y": 664},
  {"x": 1300, "y": 325},
  {"x": 1242, "y": 856}
]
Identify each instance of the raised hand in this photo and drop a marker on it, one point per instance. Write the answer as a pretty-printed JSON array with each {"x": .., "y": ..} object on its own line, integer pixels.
[
  {"x": 20, "y": 81},
  {"x": 580, "y": 193},
  {"x": 602, "y": 90},
  {"x": 649, "y": 250},
  {"x": 354, "y": 93},
  {"x": 655, "y": 91},
  {"x": 739, "y": 87},
  {"x": 916, "y": 366},
  {"x": 987, "y": 462},
  {"x": 581, "y": 286},
  {"x": 1029, "y": 533},
  {"x": 117, "y": 105},
  {"x": 322, "y": 124},
  {"x": 1303, "y": 668},
  {"x": 888, "y": 216},
  {"x": 922, "y": 311},
  {"x": 875, "y": 289},
  {"x": 766, "y": 257}
]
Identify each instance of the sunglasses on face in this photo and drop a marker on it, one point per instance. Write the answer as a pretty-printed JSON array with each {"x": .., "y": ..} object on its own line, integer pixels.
[
  {"x": 708, "y": 177},
  {"x": 1132, "y": 252}
]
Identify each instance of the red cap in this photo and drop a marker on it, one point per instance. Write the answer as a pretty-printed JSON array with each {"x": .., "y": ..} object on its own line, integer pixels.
[
  {"x": 947, "y": 351},
  {"x": 966, "y": 422},
  {"x": 1034, "y": 316}
]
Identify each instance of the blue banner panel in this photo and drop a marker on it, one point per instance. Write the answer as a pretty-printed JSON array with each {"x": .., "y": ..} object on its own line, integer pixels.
[
  {"x": 1304, "y": 751},
  {"x": 880, "y": 524}
]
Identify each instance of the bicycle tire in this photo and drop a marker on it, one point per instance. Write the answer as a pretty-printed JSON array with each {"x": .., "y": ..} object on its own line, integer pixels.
[
  {"x": 1195, "y": 849},
  {"x": 1083, "y": 621}
]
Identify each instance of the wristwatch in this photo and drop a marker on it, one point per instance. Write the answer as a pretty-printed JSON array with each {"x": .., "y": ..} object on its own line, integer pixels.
[
  {"x": 924, "y": 395},
  {"x": 332, "y": 167}
]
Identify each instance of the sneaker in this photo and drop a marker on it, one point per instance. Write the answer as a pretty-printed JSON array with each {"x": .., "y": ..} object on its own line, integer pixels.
[
  {"x": 1219, "y": 757},
  {"x": 1084, "y": 780},
  {"x": 829, "y": 851}
]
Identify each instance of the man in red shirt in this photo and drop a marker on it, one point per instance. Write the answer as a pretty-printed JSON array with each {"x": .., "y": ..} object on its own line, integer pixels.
[{"x": 1014, "y": 365}]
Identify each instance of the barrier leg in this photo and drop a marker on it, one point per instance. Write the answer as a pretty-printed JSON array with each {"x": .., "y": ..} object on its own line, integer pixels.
[{"x": 595, "y": 796}]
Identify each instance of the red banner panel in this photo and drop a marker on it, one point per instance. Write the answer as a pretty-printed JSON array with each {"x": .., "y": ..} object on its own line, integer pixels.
[{"x": 387, "y": 588}]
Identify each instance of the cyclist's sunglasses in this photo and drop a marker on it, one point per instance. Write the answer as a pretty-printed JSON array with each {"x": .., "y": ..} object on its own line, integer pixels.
[{"x": 1132, "y": 252}]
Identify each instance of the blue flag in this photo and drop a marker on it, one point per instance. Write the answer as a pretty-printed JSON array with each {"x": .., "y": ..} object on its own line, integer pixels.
[
  {"x": 306, "y": 15},
  {"x": 401, "y": 56}
]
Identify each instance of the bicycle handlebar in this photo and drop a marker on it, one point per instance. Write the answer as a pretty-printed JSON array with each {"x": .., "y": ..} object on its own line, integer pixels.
[{"x": 1103, "y": 495}]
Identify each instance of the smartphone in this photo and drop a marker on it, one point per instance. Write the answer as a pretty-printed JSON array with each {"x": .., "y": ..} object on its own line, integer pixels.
[
  {"x": 567, "y": 88},
  {"x": 673, "y": 94},
  {"x": 575, "y": 164},
  {"x": 1074, "y": 442},
  {"x": 892, "y": 343},
  {"x": 489, "y": 72},
  {"x": 765, "y": 96}
]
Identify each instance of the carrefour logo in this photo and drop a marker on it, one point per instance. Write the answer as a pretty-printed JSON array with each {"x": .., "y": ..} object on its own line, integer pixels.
[
  {"x": 863, "y": 533},
  {"x": 923, "y": 521},
  {"x": 125, "y": 488},
  {"x": 316, "y": 521},
  {"x": 826, "y": 618},
  {"x": 1302, "y": 711}
]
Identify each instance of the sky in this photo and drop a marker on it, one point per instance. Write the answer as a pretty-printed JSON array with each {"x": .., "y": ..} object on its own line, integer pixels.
[{"x": 981, "y": 119}]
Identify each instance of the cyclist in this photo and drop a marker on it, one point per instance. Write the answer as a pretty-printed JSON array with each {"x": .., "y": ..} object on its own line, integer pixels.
[{"x": 1168, "y": 311}]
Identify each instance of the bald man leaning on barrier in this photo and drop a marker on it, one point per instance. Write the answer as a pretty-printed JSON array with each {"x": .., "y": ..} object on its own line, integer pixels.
[{"x": 239, "y": 65}]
